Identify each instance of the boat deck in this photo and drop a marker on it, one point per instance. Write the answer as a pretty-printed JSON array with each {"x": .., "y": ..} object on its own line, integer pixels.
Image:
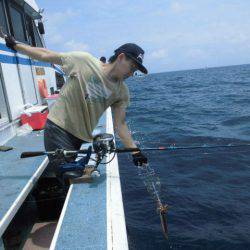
[{"x": 18, "y": 176}]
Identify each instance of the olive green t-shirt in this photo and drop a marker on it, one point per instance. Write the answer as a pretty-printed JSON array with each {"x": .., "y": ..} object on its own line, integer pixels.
[{"x": 86, "y": 95}]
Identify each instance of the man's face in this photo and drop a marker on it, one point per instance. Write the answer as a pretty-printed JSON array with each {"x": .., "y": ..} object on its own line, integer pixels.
[{"x": 126, "y": 66}]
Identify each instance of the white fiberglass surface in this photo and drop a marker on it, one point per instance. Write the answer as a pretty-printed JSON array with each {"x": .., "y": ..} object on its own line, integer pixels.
[{"x": 33, "y": 4}]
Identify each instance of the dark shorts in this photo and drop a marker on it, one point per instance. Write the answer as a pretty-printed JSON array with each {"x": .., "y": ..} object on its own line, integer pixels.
[{"x": 57, "y": 138}]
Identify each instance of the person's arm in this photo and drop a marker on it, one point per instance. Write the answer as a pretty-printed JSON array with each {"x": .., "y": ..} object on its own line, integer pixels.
[
  {"x": 121, "y": 128},
  {"x": 40, "y": 54}
]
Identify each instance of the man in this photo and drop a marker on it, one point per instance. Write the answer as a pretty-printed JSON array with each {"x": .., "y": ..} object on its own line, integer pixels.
[
  {"x": 90, "y": 89},
  {"x": 103, "y": 59}
]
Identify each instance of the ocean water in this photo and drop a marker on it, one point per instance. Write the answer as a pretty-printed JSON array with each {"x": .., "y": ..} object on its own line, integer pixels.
[{"x": 208, "y": 191}]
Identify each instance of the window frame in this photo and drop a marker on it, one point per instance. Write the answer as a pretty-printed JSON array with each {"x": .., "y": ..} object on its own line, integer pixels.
[
  {"x": 4, "y": 16},
  {"x": 19, "y": 9},
  {"x": 5, "y": 11},
  {"x": 36, "y": 31},
  {"x": 29, "y": 38},
  {"x": 30, "y": 30}
]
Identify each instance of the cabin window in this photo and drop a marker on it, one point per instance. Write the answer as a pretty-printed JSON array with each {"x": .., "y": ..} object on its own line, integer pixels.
[
  {"x": 37, "y": 37},
  {"x": 3, "y": 21},
  {"x": 18, "y": 24},
  {"x": 30, "y": 33}
]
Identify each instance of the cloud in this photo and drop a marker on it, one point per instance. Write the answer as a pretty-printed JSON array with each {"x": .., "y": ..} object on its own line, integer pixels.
[
  {"x": 74, "y": 45},
  {"x": 55, "y": 38},
  {"x": 196, "y": 53},
  {"x": 60, "y": 17},
  {"x": 177, "y": 7},
  {"x": 102, "y": 51},
  {"x": 160, "y": 13},
  {"x": 159, "y": 54},
  {"x": 56, "y": 24}
]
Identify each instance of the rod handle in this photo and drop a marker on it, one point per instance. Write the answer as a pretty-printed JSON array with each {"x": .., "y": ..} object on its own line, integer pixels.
[{"x": 32, "y": 154}]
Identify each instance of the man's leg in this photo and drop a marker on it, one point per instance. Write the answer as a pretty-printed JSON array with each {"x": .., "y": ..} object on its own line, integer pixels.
[{"x": 57, "y": 138}]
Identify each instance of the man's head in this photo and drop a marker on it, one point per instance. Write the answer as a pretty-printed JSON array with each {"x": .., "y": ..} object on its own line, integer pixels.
[
  {"x": 103, "y": 59},
  {"x": 127, "y": 59}
]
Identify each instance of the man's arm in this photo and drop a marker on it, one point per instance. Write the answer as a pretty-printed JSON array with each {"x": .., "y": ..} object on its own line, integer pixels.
[
  {"x": 121, "y": 127},
  {"x": 40, "y": 54}
]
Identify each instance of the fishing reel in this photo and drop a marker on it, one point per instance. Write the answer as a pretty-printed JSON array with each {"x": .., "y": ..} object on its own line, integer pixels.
[{"x": 103, "y": 144}]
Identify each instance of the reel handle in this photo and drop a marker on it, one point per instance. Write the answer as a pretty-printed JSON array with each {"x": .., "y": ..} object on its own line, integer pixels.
[{"x": 32, "y": 154}]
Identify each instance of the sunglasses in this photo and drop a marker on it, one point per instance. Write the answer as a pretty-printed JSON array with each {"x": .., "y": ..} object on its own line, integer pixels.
[{"x": 133, "y": 66}]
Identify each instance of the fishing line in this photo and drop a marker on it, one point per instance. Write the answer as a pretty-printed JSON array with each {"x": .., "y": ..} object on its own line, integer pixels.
[{"x": 153, "y": 186}]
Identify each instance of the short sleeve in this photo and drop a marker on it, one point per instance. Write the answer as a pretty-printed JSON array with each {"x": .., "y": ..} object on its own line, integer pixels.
[
  {"x": 73, "y": 61},
  {"x": 124, "y": 98}
]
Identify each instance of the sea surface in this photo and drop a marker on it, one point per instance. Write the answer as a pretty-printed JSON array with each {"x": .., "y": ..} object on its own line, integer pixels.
[{"x": 207, "y": 190}]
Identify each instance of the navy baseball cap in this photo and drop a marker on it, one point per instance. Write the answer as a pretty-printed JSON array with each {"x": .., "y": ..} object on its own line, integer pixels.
[{"x": 134, "y": 52}]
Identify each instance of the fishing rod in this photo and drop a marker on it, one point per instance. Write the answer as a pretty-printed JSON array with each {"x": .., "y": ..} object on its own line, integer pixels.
[
  {"x": 127, "y": 150},
  {"x": 173, "y": 147}
]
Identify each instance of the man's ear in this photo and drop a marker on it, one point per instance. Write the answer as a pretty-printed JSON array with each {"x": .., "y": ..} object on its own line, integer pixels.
[{"x": 121, "y": 57}]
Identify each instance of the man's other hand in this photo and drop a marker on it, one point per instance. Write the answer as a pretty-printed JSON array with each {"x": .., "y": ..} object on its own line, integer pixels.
[{"x": 139, "y": 159}]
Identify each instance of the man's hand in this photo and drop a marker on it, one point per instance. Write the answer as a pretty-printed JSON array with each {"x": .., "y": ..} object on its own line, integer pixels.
[
  {"x": 139, "y": 159},
  {"x": 9, "y": 40}
]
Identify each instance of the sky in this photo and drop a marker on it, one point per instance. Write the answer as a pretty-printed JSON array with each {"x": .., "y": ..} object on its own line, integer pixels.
[{"x": 175, "y": 34}]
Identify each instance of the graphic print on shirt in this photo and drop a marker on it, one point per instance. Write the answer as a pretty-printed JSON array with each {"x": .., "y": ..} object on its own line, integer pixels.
[{"x": 96, "y": 90}]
